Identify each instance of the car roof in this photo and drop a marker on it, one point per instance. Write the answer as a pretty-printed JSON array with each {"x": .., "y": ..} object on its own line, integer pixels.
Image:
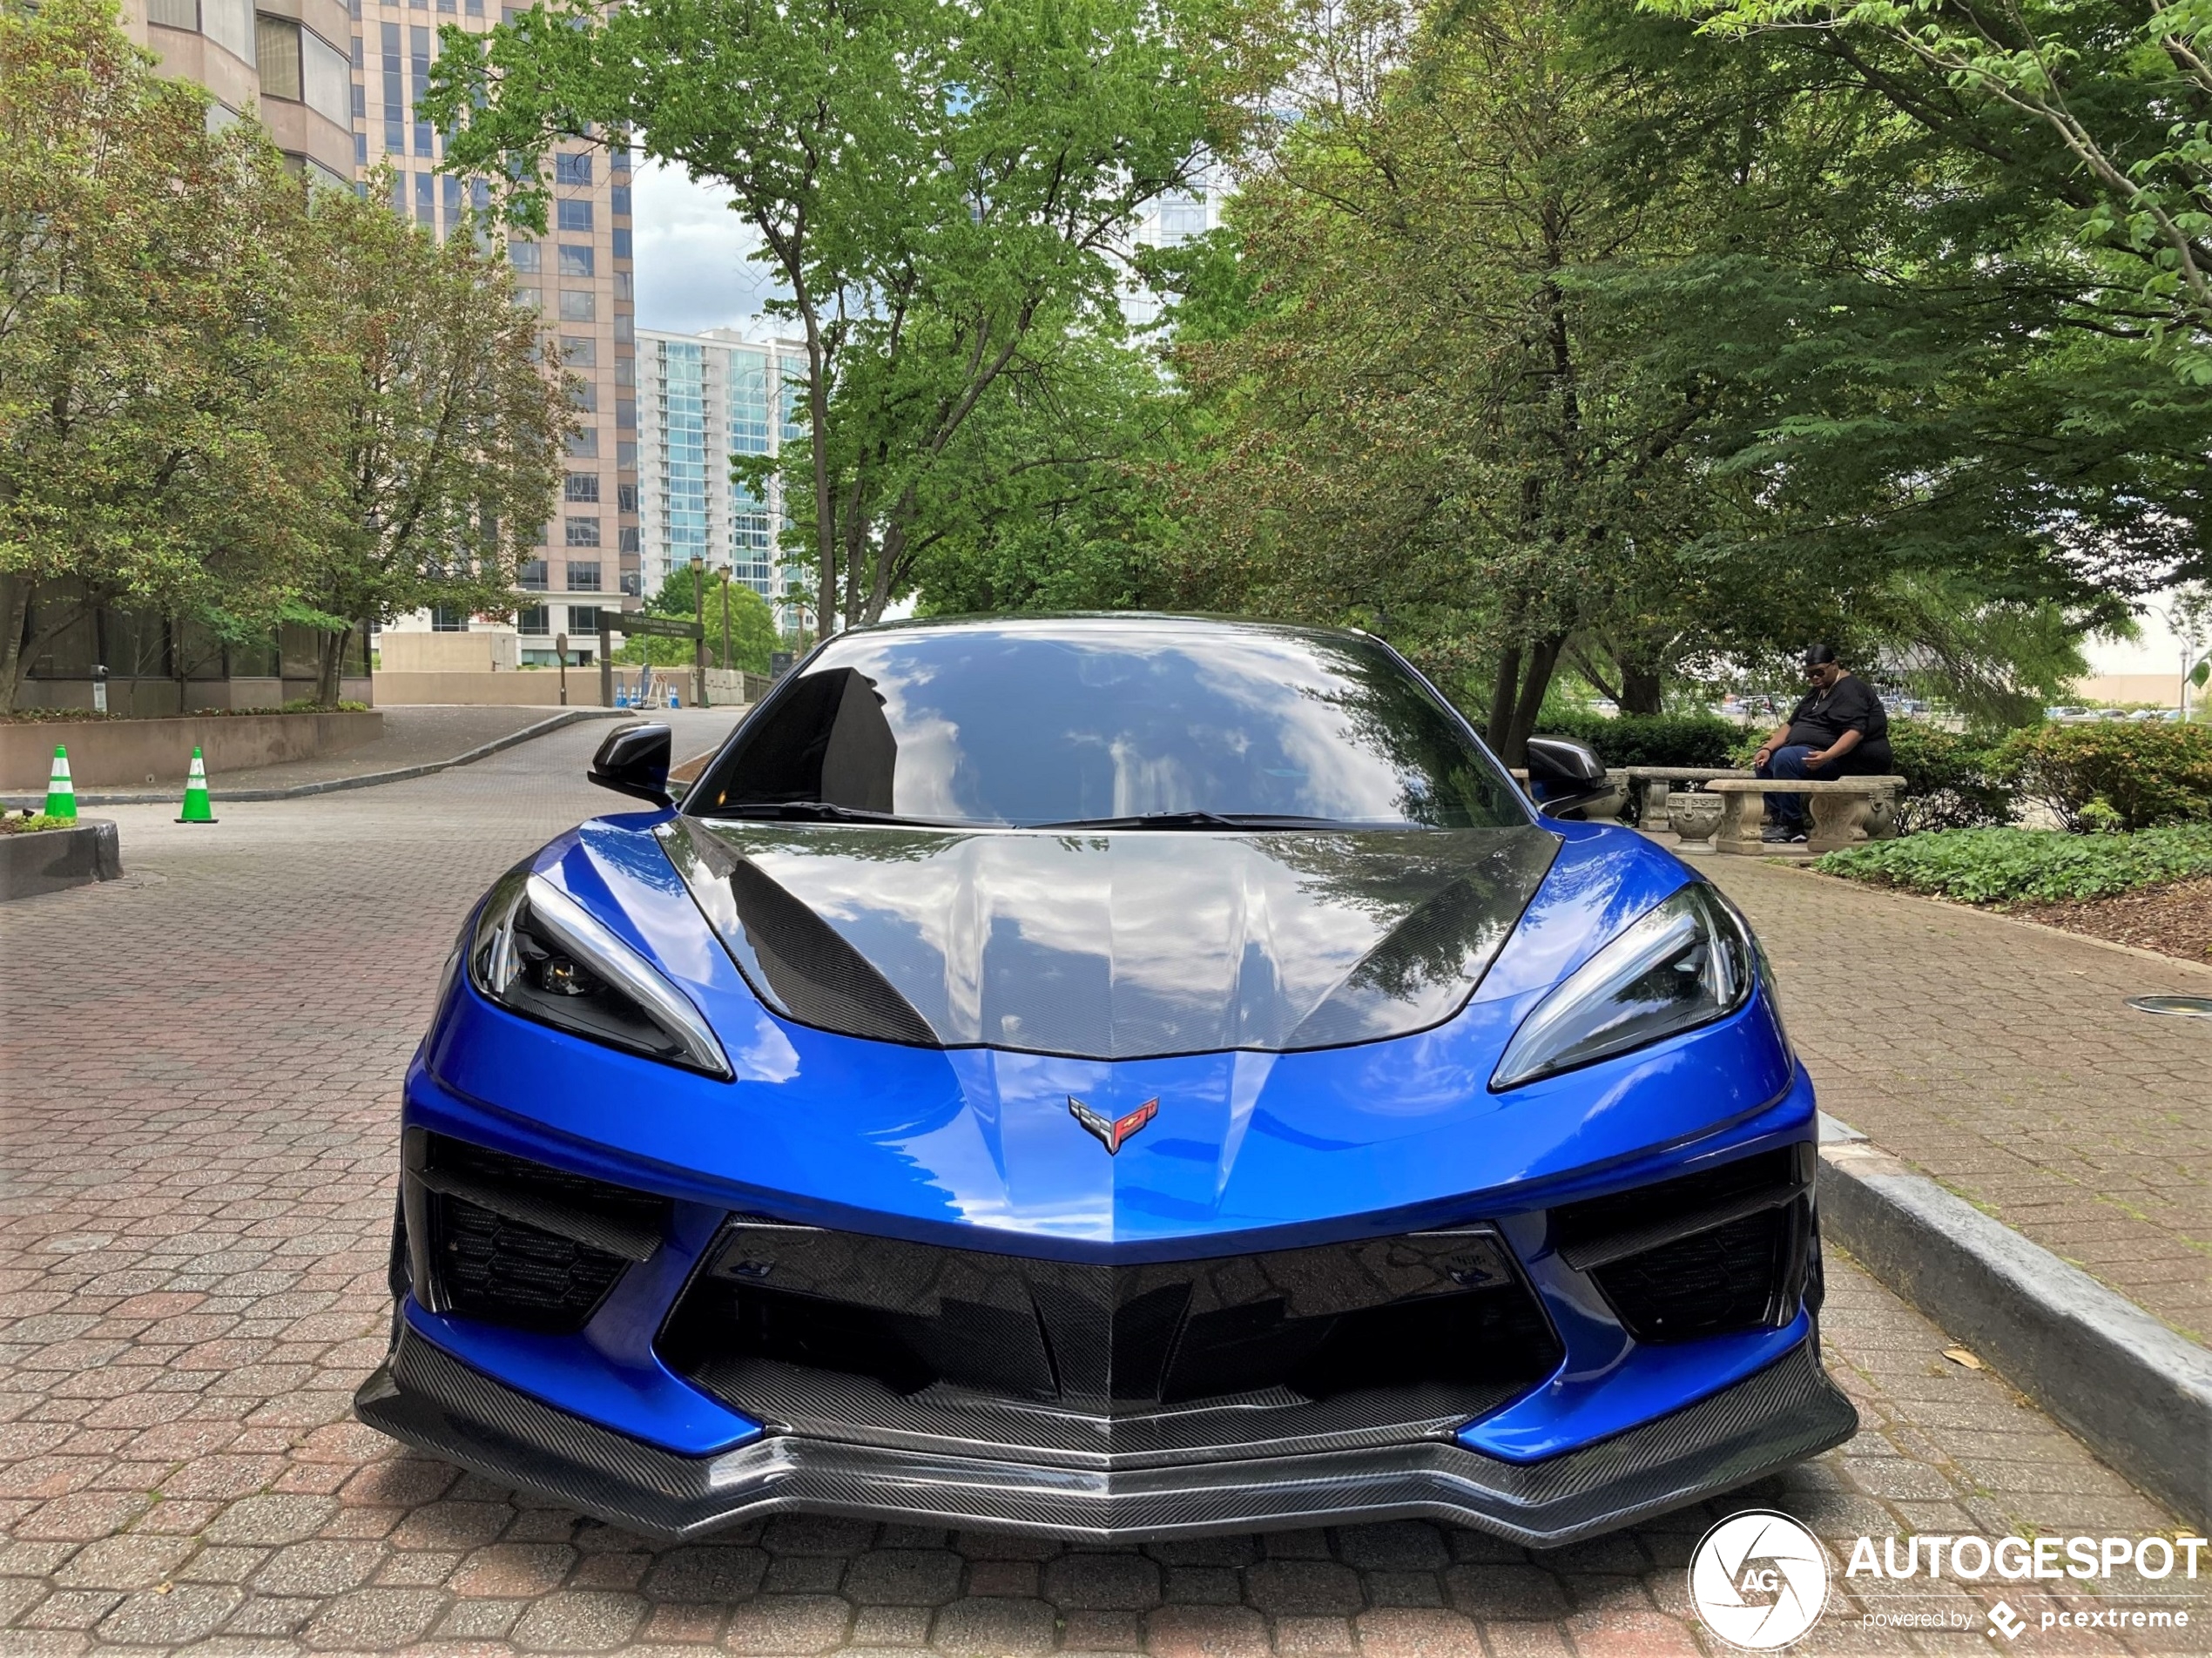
[{"x": 1075, "y": 624}]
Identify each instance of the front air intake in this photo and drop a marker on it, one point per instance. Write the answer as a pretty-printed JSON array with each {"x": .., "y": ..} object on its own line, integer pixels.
[
  {"x": 1723, "y": 1250},
  {"x": 522, "y": 1244}
]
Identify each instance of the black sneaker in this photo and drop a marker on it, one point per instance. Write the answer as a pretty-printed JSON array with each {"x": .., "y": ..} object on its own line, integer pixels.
[{"x": 1777, "y": 834}]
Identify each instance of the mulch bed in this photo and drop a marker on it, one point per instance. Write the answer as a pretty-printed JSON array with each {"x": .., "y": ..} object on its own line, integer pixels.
[{"x": 2174, "y": 918}]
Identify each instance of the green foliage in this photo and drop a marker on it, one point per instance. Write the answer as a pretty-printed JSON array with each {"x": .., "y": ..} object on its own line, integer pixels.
[
  {"x": 1952, "y": 780},
  {"x": 30, "y": 823},
  {"x": 752, "y": 626},
  {"x": 153, "y": 368},
  {"x": 2113, "y": 774},
  {"x": 2011, "y": 865},
  {"x": 940, "y": 188},
  {"x": 1648, "y": 740},
  {"x": 445, "y": 435}
]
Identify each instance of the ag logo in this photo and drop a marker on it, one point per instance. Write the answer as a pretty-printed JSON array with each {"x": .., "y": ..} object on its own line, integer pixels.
[{"x": 1759, "y": 1580}]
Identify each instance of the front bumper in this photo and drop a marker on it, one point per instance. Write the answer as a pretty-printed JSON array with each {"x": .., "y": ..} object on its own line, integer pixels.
[{"x": 1778, "y": 1416}]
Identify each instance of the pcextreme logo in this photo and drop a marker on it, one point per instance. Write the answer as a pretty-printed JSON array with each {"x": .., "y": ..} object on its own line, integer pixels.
[{"x": 1759, "y": 1580}]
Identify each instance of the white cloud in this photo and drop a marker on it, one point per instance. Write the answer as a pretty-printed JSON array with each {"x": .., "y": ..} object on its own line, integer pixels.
[{"x": 693, "y": 268}]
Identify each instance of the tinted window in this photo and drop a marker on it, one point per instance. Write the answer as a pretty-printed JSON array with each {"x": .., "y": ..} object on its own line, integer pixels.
[{"x": 1046, "y": 722}]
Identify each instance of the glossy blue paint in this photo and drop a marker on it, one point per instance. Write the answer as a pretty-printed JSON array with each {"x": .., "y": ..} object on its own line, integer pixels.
[{"x": 976, "y": 1146}]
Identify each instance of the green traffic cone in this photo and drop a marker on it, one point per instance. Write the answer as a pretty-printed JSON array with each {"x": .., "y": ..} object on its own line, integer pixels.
[
  {"x": 61, "y": 793},
  {"x": 197, "y": 809}
]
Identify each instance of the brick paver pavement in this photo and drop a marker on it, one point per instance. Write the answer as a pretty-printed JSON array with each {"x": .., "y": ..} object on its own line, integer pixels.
[
  {"x": 200, "y": 1065},
  {"x": 2003, "y": 1061}
]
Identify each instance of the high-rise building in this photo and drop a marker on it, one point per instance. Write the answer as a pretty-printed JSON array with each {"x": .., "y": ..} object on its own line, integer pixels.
[
  {"x": 287, "y": 58},
  {"x": 704, "y": 399},
  {"x": 340, "y": 90}
]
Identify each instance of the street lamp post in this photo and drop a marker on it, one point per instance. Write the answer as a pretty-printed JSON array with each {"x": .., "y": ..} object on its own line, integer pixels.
[
  {"x": 561, "y": 655},
  {"x": 698, "y": 643}
]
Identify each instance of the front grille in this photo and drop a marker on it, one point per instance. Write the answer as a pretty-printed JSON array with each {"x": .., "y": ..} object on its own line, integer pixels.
[
  {"x": 839, "y": 1335},
  {"x": 519, "y": 1242},
  {"x": 1725, "y": 1248}
]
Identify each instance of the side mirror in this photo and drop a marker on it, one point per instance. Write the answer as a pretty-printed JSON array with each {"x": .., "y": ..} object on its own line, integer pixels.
[
  {"x": 1566, "y": 779},
  {"x": 634, "y": 760}
]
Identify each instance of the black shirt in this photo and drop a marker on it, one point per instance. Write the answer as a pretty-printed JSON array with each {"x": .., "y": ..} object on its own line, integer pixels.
[{"x": 1850, "y": 704}]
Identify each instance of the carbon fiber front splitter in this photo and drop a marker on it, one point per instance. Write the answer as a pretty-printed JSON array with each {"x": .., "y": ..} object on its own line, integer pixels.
[{"x": 1783, "y": 1414}]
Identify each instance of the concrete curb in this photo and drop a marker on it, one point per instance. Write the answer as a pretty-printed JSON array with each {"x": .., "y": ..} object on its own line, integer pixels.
[
  {"x": 368, "y": 780},
  {"x": 2139, "y": 1394}
]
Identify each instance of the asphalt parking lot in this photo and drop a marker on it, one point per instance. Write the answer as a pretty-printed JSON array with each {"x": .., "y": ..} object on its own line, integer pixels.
[{"x": 200, "y": 1067}]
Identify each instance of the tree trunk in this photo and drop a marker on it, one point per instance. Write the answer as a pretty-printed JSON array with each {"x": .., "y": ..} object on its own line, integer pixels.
[
  {"x": 1543, "y": 657},
  {"x": 1503, "y": 695},
  {"x": 1640, "y": 687},
  {"x": 330, "y": 661},
  {"x": 14, "y": 660}
]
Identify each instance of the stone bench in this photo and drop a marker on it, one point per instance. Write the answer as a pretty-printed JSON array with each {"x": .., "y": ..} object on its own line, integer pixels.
[
  {"x": 1656, "y": 783},
  {"x": 1844, "y": 811}
]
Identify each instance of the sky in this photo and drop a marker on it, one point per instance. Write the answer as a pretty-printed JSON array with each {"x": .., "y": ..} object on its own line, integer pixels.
[{"x": 692, "y": 269}]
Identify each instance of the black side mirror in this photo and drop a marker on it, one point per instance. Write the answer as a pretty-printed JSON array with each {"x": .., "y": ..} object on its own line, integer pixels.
[
  {"x": 634, "y": 760},
  {"x": 1562, "y": 760}
]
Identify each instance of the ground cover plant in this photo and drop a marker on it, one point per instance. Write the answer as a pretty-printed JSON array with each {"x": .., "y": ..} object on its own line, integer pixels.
[
  {"x": 2004, "y": 865},
  {"x": 24, "y": 823}
]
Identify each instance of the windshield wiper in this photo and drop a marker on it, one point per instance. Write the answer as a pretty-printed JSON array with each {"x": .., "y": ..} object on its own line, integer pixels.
[
  {"x": 1207, "y": 820},
  {"x": 810, "y": 811}
]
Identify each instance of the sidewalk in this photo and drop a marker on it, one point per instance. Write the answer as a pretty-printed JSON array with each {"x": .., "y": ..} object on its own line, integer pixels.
[{"x": 2003, "y": 1062}]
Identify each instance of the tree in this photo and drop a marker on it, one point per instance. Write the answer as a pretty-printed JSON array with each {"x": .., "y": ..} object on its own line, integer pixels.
[
  {"x": 935, "y": 184},
  {"x": 2102, "y": 112},
  {"x": 152, "y": 369},
  {"x": 446, "y": 429},
  {"x": 753, "y": 625}
]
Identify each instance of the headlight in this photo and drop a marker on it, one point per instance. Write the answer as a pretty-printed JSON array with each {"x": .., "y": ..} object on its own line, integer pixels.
[
  {"x": 1686, "y": 963},
  {"x": 541, "y": 953}
]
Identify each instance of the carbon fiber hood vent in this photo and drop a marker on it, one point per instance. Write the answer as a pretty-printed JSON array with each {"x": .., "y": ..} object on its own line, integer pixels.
[{"x": 1132, "y": 945}]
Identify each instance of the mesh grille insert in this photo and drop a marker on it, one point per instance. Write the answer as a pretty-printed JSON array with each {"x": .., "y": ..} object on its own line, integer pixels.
[{"x": 1738, "y": 1276}]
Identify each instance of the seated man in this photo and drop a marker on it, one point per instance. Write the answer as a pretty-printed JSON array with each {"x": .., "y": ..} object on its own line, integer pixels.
[{"x": 1839, "y": 729}]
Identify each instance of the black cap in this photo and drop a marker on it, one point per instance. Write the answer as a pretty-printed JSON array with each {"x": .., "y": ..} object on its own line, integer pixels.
[{"x": 1818, "y": 654}]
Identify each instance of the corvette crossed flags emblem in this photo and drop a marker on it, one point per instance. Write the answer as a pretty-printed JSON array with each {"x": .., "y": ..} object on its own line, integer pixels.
[{"x": 1111, "y": 1132}]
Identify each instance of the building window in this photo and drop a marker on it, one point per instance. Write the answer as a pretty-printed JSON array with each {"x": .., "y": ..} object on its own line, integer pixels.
[
  {"x": 626, "y": 496},
  {"x": 174, "y": 14},
  {"x": 575, "y": 261},
  {"x": 446, "y": 618},
  {"x": 580, "y": 351},
  {"x": 394, "y": 91},
  {"x": 618, "y": 157},
  {"x": 626, "y": 453},
  {"x": 453, "y": 203},
  {"x": 619, "y": 204},
  {"x": 533, "y": 619},
  {"x": 584, "y": 445},
  {"x": 626, "y": 414},
  {"x": 572, "y": 215},
  {"x": 628, "y": 539},
  {"x": 625, "y": 371},
  {"x": 276, "y": 47},
  {"x": 581, "y": 486},
  {"x": 527, "y": 296},
  {"x": 572, "y": 170},
  {"x": 418, "y": 52},
  {"x": 625, "y": 330},
  {"x": 583, "y": 532},
  {"x": 532, "y": 576},
  {"x": 587, "y": 397},
  {"x": 426, "y": 199},
  {"x": 577, "y": 306},
  {"x": 623, "y": 286},
  {"x": 525, "y": 256},
  {"x": 583, "y": 578},
  {"x": 583, "y": 618},
  {"x": 622, "y": 243}
]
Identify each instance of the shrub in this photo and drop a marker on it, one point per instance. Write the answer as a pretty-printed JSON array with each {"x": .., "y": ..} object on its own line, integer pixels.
[
  {"x": 2143, "y": 774},
  {"x": 1951, "y": 781},
  {"x": 28, "y": 823},
  {"x": 2006, "y": 865},
  {"x": 1648, "y": 740}
]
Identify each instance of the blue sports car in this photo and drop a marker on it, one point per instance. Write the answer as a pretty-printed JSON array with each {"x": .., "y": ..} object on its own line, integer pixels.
[{"x": 1107, "y": 1077}]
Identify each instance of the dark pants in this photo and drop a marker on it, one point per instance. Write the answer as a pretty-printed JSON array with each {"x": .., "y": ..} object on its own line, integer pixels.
[{"x": 1788, "y": 764}]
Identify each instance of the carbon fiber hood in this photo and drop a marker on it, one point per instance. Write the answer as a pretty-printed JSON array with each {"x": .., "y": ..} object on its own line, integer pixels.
[{"x": 1130, "y": 945}]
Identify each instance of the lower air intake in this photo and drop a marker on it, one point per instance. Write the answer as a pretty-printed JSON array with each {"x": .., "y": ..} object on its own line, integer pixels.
[{"x": 839, "y": 1335}]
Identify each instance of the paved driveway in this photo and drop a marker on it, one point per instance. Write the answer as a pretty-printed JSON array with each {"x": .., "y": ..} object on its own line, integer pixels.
[{"x": 199, "y": 1065}]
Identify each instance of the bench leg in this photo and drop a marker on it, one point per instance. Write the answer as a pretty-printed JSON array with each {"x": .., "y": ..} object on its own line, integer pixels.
[
  {"x": 1653, "y": 819},
  {"x": 1838, "y": 820},
  {"x": 1741, "y": 821}
]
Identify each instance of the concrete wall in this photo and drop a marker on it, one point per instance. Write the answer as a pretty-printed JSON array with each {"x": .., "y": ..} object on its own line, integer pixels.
[
  {"x": 538, "y": 687},
  {"x": 486, "y": 653},
  {"x": 2164, "y": 689},
  {"x": 146, "y": 698},
  {"x": 116, "y": 753}
]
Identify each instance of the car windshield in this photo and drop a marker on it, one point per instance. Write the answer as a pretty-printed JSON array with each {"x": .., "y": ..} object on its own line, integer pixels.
[{"x": 1147, "y": 723}]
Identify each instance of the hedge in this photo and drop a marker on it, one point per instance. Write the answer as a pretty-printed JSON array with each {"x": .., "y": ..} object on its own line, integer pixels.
[
  {"x": 2125, "y": 775},
  {"x": 2008, "y": 865},
  {"x": 1648, "y": 740}
]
